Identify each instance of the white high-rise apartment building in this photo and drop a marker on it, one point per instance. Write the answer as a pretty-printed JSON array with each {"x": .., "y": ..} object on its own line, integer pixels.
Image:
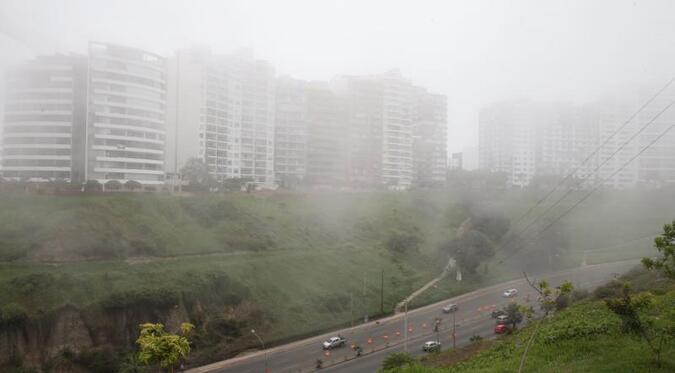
[
  {"x": 223, "y": 114},
  {"x": 44, "y": 120},
  {"x": 656, "y": 165},
  {"x": 290, "y": 133},
  {"x": 430, "y": 139},
  {"x": 506, "y": 141},
  {"x": 567, "y": 139},
  {"x": 126, "y": 115},
  {"x": 383, "y": 118}
]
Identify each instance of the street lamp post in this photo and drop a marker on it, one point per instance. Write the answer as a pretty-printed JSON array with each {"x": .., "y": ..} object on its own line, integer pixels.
[
  {"x": 263, "y": 347},
  {"x": 405, "y": 328},
  {"x": 454, "y": 327}
]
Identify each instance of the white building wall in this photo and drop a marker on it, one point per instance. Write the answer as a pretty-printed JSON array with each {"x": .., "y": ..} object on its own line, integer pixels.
[
  {"x": 39, "y": 119},
  {"x": 126, "y": 115}
]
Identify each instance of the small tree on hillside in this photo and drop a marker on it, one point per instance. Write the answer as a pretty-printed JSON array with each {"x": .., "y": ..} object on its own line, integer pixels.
[
  {"x": 196, "y": 172},
  {"x": 92, "y": 186},
  {"x": 514, "y": 313},
  {"x": 632, "y": 310},
  {"x": 665, "y": 244},
  {"x": 470, "y": 250},
  {"x": 233, "y": 184},
  {"x": 113, "y": 185},
  {"x": 551, "y": 299},
  {"x": 159, "y": 347},
  {"x": 133, "y": 185}
]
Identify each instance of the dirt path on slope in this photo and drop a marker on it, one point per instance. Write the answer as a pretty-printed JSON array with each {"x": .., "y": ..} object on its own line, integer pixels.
[{"x": 463, "y": 228}]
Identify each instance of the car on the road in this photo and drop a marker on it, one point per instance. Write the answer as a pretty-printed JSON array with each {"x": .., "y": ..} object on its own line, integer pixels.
[
  {"x": 502, "y": 319},
  {"x": 334, "y": 342},
  {"x": 497, "y": 313},
  {"x": 431, "y": 346},
  {"x": 510, "y": 293},
  {"x": 501, "y": 329},
  {"x": 450, "y": 308}
]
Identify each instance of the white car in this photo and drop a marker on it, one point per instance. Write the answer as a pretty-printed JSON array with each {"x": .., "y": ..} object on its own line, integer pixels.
[
  {"x": 450, "y": 308},
  {"x": 502, "y": 319},
  {"x": 510, "y": 293},
  {"x": 431, "y": 346},
  {"x": 334, "y": 342}
]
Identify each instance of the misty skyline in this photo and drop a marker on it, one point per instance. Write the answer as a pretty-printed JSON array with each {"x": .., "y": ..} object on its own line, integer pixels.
[{"x": 475, "y": 53}]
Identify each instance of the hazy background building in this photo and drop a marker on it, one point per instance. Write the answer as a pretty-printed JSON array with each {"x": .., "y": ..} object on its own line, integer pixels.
[
  {"x": 45, "y": 119},
  {"x": 391, "y": 122},
  {"x": 328, "y": 137},
  {"x": 456, "y": 161},
  {"x": 290, "y": 132},
  {"x": 122, "y": 114},
  {"x": 470, "y": 158},
  {"x": 656, "y": 165},
  {"x": 430, "y": 138},
  {"x": 598, "y": 144},
  {"x": 507, "y": 140},
  {"x": 223, "y": 114}
]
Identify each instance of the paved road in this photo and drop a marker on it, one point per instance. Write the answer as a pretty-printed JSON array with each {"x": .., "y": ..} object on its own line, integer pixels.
[{"x": 387, "y": 335}]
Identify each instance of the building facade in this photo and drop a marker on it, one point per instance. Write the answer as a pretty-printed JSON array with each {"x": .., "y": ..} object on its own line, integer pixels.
[
  {"x": 430, "y": 126},
  {"x": 290, "y": 133},
  {"x": 397, "y": 131},
  {"x": 45, "y": 120},
  {"x": 506, "y": 141},
  {"x": 126, "y": 129},
  {"x": 224, "y": 108},
  {"x": 601, "y": 144}
]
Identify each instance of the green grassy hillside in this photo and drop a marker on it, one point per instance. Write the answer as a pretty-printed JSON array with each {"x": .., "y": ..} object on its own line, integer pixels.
[{"x": 287, "y": 264}]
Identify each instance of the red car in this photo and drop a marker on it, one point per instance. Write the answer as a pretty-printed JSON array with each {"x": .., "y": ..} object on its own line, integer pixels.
[{"x": 501, "y": 329}]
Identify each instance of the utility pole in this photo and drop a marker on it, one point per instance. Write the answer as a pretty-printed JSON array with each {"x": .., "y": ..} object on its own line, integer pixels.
[
  {"x": 405, "y": 328},
  {"x": 351, "y": 307},
  {"x": 382, "y": 294},
  {"x": 365, "y": 305},
  {"x": 263, "y": 347},
  {"x": 454, "y": 329}
]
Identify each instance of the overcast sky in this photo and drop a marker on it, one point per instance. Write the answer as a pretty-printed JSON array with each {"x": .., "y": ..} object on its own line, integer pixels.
[{"x": 475, "y": 52}]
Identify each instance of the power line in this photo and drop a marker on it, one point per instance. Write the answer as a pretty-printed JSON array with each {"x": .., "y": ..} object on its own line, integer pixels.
[
  {"x": 574, "y": 171},
  {"x": 537, "y": 236},
  {"x": 582, "y": 180}
]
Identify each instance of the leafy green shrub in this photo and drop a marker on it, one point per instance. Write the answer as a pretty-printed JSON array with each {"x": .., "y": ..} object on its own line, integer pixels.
[
  {"x": 579, "y": 295},
  {"x": 32, "y": 283},
  {"x": 12, "y": 315},
  {"x": 609, "y": 290},
  {"x": 397, "y": 360},
  {"x": 403, "y": 242},
  {"x": 141, "y": 298},
  {"x": 221, "y": 328},
  {"x": 207, "y": 213},
  {"x": 494, "y": 226},
  {"x": 576, "y": 329},
  {"x": 476, "y": 339}
]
